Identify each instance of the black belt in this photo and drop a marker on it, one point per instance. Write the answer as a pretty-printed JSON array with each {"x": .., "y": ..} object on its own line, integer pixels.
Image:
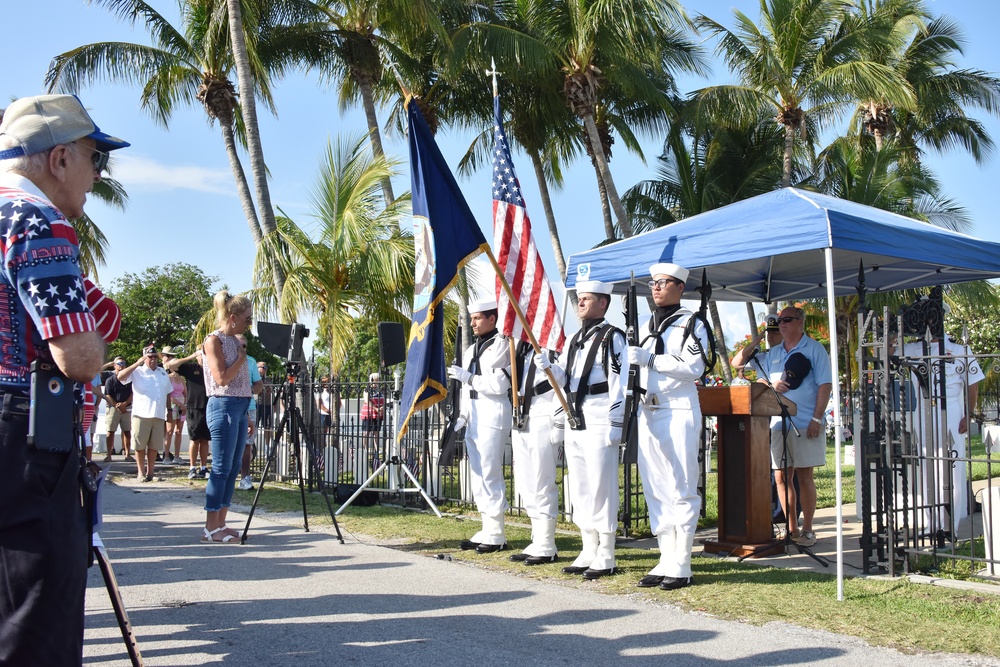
[
  {"x": 473, "y": 393},
  {"x": 12, "y": 404},
  {"x": 599, "y": 388},
  {"x": 544, "y": 388}
]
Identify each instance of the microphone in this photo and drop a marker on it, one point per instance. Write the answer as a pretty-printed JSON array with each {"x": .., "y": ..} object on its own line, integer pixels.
[{"x": 752, "y": 356}]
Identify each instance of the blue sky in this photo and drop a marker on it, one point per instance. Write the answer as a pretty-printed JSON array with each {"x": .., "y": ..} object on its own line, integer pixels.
[{"x": 183, "y": 204}]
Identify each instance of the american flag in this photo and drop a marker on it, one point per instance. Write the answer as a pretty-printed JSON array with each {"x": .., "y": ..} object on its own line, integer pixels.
[{"x": 517, "y": 254}]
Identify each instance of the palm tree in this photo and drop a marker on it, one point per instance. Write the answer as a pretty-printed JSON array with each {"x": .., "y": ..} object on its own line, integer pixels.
[
  {"x": 355, "y": 261},
  {"x": 922, "y": 50},
  {"x": 806, "y": 60},
  {"x": 180, "y": 67},
  {"x": 364, "y": 36},
  {"x": 611, "y": 56}
]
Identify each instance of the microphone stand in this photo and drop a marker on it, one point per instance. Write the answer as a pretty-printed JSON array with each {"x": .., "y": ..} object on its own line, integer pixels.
[{"x": 786, "y": 422}]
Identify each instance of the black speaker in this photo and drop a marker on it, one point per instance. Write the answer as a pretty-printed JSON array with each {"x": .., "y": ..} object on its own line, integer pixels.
[
  {"x": 343, "y": 492},
  {"x": 391, "y": 346}
]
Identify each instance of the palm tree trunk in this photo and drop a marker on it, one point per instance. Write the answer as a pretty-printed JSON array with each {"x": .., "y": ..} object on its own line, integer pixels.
[
  {"x": 248, "y": 107},
  {"x": 609, "y": 225},
  {"x": 786, "y": 165},
  {"x": 368, "y": 102},
  {"x": 550, "y": 218},
  {"x": 242, "y": 187},
  {"x": 720, "y": 341},
  {"x": 602, "y": 166},
  {"x": 752, "y": 316}
]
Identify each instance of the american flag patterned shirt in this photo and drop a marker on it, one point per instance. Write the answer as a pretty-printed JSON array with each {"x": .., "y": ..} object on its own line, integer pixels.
[{"x": 42, "y": 292}]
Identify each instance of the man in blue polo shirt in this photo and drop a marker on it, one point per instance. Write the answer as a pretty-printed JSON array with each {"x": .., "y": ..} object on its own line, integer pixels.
[{"x": 799, "y": 368}]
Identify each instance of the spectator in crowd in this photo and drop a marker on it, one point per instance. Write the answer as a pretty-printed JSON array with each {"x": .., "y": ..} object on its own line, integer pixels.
[
  {"x": 190, "y": 368},
  {"x": 118, "y": 396},
  {"x": 227, "y": 383},
  {"x": 176, "y": 410},
  {"x": 372, "y": 410},
  {"x": 150, "y": 389}
]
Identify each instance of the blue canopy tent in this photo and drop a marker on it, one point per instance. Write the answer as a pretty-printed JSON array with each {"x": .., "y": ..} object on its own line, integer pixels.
[
  {"x": 791, "y": 245},
  {"x": 772, "y": 247}
]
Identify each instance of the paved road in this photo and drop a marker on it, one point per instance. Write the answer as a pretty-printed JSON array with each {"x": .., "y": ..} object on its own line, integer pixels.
[{"x": 296, "y": 599}]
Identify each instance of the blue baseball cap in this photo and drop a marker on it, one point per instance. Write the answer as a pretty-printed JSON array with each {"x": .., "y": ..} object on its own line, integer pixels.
[{"x": 46, "y": 121}]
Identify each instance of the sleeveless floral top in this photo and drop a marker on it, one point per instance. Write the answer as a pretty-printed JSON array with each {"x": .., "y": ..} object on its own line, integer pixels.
[{"x": 239, "y": 386}]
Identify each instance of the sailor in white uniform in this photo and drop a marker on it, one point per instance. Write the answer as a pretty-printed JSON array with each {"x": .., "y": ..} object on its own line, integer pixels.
[
  {"x": 589, "y": 370},
  {"x": 485, "y": 378},
  {"x": 535, "y": 454},
  {"x": 671, "y": 356}
]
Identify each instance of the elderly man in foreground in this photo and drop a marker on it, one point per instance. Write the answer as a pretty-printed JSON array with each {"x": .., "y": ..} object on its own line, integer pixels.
[{"x": 55, "y": 327}]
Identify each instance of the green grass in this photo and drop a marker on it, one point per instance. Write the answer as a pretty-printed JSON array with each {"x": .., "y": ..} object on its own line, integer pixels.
[{"x": 893, "y": 613}]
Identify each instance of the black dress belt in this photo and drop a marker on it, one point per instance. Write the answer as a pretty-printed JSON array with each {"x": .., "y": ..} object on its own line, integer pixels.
[
  {"x": 542, "y": 388},
  {"x": 473, "y": 393},
  {"x": 599, "y": 388}
]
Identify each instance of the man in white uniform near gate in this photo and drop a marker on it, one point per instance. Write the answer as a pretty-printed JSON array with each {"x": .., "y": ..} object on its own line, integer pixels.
[
  {"x": 535, "y": 454},
  {"x": 589, "y": 369},
  {"x": 671, "y": 355},
  {"x": 486, "y": 411},
  {"x": 947, "y": 486}
]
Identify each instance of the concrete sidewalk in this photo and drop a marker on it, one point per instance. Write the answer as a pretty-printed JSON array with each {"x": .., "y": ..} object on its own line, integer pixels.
[{"x": 299, "y": 599}]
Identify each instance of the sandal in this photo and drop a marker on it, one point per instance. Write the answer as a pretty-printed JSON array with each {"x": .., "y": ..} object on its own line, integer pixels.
[
  {"x": 226, "y": 537},
  {"x": 229, "y": 531}
]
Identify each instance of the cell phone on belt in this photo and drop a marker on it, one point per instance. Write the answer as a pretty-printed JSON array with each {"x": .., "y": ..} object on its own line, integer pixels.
[{"x": 53, "y": 409}]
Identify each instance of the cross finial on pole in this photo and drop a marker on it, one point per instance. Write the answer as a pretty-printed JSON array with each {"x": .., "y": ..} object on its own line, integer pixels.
[{"x": 494, "y": 73}]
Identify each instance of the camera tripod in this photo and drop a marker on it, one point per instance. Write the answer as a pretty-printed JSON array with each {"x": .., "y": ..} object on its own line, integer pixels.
[
  {"x": 292, "y": 425},
  {"x": 393, "y": 459},
  {"x": 786, "y": 421}
]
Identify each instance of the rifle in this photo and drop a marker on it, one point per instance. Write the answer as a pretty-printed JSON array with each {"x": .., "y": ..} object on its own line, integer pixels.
[
  {"x": 706, "y": 295},
  {"x": 630, "y": 431},
  {"x": 448, "y": 446}
]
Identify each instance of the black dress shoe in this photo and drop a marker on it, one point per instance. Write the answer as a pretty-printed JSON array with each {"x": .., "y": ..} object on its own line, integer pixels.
[
  {"x": 490, "y": 548},
  {"x": 673, "y": 583},
  {"x": 590, "y": 574},
  {"x": 575, "y": 569},
  {"x": 520, "y": 558},
  {"x": 468, "y": 545},
  {"x": 540, "y": 560},
  {"x": 650, "y": 581}
]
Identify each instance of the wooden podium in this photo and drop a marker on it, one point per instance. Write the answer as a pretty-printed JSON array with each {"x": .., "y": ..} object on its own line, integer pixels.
[{"x": 744, "y": 454}]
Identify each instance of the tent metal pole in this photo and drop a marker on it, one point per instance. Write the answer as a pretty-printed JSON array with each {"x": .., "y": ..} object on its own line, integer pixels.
[{"x": 831, "y": 307}]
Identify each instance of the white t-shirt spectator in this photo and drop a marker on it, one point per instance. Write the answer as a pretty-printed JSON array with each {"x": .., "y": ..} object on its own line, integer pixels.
[{"x": 150, "y": 389}]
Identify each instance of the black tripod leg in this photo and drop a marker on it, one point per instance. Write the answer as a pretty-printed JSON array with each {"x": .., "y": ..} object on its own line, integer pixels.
[
  {"x": 267, "y": 467},
  {"x": 134, "y": 655},
  {"x": 311, "y": 453}
]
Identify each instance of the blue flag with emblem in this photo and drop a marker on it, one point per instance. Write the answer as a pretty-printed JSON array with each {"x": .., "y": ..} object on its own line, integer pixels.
[{"x": 446, "y": 236}]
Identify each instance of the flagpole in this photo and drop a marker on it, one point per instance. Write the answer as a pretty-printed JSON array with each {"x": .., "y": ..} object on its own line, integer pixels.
[{"x": 570, "y": 415}]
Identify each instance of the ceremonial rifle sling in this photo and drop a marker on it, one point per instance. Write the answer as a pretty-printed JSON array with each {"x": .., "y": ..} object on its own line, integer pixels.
[
  {"x": 583, "y": 390},
  {"x": 527, "y": 371}
]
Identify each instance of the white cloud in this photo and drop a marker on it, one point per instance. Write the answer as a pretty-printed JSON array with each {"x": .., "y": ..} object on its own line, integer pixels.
[{"x": 139, "y": 173}]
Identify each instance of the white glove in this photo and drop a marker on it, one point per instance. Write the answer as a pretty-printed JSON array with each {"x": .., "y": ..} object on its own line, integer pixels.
[
  {"x": 542, "y": 361},
  {"x": 460, "y": 374},
  {"x": 615, "y": 436},
  {"x": 637, "y": 356},
  {"x": 557, "y": 436},
  {"x": 460, "y": 423}
]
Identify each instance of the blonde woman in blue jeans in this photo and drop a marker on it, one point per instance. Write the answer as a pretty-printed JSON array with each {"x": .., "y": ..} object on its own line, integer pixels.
[{"x": 227, "y": 384}]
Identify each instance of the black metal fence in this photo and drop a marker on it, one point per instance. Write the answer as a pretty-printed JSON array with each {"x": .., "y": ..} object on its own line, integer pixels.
[
  {"x": 929, "y": 496},
  {"x": 353, "y": 440}
]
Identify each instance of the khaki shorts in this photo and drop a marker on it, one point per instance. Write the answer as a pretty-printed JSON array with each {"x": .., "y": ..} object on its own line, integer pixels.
[
  {"x": 114, "y": 419},
  {"x": 148, "y": 432},
  {"x": 803, "y": 452}
]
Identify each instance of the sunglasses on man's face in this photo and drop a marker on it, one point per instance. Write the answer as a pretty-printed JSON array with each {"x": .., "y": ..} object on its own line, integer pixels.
[
  {"x": 98, "y": 158},
  {"x": 786, "y": 320}
]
